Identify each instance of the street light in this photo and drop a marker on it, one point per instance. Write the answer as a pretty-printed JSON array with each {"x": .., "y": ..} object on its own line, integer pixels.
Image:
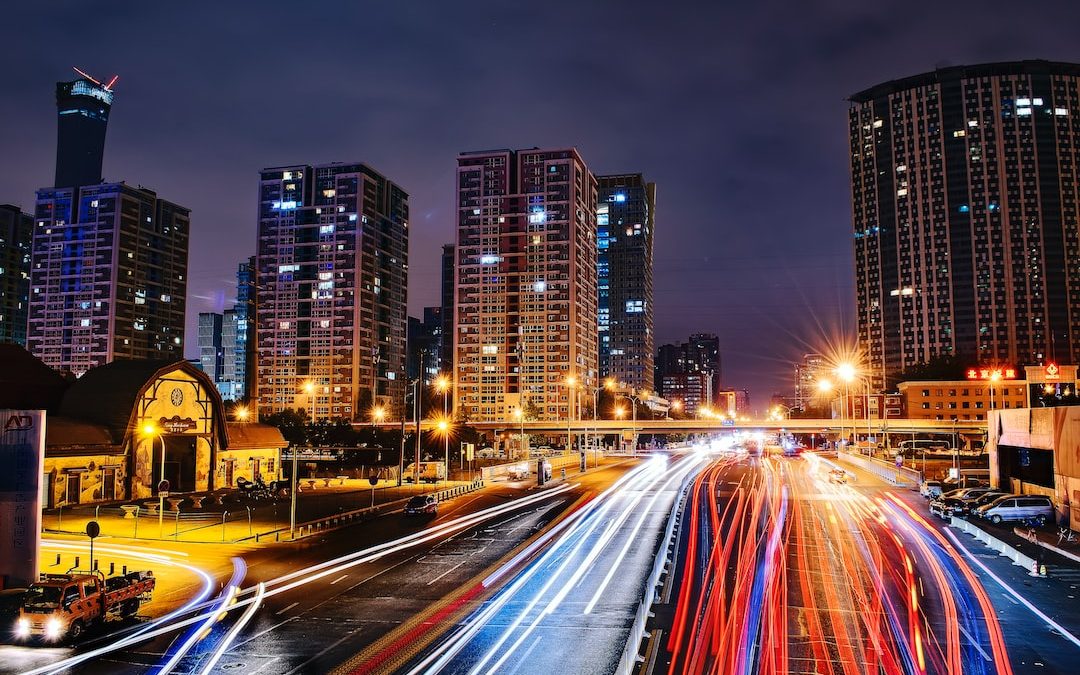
[
  {"x": 826, "y": 386},
  {"x": 633, "y": 403},
  {"x": 994, "y": 377},
  {"x": 150, "y": 430},
  {"x": 519, "y": 415},
  {"x": 309, "y": 389},
  {"x": 378, "y": 414},
  {"x": 571, "y": 391},
  {"x": 443, "y": 426},
  {"x": 242, "y": 413},
  {"x": 442, "y": 385},
  {"x": 848, "y": 373}
]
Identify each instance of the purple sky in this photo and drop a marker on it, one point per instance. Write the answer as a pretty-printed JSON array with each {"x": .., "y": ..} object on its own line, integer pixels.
[{"x": 736, "y": 110}]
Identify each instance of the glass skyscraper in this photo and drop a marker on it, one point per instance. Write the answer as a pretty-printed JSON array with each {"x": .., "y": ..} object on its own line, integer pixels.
[
  {"x": 624, "y": 223},
  {"x": 83, "y": 107}
]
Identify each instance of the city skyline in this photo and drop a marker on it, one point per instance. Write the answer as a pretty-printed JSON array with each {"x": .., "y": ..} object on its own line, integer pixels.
[{"x": 777, "y": 272}]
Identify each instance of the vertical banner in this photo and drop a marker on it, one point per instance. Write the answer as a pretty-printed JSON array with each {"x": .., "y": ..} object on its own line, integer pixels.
[{"x": 22, "y": 456}]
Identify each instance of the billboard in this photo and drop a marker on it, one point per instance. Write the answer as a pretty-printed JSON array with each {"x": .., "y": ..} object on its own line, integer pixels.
[{"x": 22, "y": 454}]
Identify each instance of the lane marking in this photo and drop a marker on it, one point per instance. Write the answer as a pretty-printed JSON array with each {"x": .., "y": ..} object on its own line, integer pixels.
[
  {"x": 338, "y": 579},
  {"x": 1024, "y": 601},
  {"x": 282, "y": 611},
  {"x": 974, "y": 643}
]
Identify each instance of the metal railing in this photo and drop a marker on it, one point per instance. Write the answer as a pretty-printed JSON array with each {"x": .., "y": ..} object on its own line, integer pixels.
[
  {"x": 663, "y": 556},
  {"x": 335, "y": 521}
]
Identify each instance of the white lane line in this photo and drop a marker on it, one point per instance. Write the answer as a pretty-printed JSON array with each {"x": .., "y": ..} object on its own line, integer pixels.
[
  {"x": 974, "y": 643},
  {"x": 1024, "y": 601},
  {"x": 282, "y": 611},
  {"x": 338, "y": 579},
  {"x": 446, "y": 572},
  {"x": 1009, "y": 598}
]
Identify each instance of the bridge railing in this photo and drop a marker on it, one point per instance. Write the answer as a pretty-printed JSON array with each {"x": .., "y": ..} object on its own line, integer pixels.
[{"x": 897, "y": 475}]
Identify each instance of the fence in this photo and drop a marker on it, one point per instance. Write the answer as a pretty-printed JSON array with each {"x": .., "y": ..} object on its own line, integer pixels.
[
  {"x": 663, "y": 556},
  {"x": 342, "y": 519},
  {"x": 897, "y": 475}
]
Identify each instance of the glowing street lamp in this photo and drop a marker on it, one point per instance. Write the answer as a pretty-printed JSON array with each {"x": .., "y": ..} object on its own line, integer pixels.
[
  {"x": 620, "y": 411},
  {"x": 151, "y": 430},
  {"x": 242, "y": 413},
  {"x": 308, "y": 387},
  {"x": 442, "y": 385},
  {"x": 378, "y": 413},
  {"x": 571, "y": 387}
]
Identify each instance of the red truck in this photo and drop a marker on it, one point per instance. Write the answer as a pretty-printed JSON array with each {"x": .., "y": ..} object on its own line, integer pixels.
[{"x": 60, "y": 607}]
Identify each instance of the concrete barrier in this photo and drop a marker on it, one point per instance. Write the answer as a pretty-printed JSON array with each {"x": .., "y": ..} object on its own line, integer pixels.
[
  {"x": 1003, "y": 548},
  {"x": 889, "y": 472}
]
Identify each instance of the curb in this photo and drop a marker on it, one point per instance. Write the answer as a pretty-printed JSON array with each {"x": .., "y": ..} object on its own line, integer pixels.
[{"x": 1003, "y": 548}]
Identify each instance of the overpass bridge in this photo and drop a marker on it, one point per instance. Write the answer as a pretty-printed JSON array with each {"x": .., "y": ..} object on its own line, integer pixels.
[{"x": 700, "y": 426}]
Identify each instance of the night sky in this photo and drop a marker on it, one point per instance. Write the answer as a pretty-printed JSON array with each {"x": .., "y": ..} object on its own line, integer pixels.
[{"x": 737, "y": 110}]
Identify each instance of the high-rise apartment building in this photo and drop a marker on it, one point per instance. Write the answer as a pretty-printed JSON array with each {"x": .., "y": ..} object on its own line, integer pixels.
[
  {"x": 223, "y": 339},
  {"x": 446, "y": 337},
  {"x": 211, "y": 356},
  {"x": 624, "y": 223},
  {"x": 332, "y": 278},
  {"x": 16, "y": 233},
  {"x": 239, "y": 334},
  {"x": 965, "y": 189},
  {"x": 83, "y": 107},
  {"x": 699, "y": 355},
  {"x": 525, "y": 285},
  {"x": 108, "y": 277},
  {"x": 424, "y": 345},
  {"x": 808, "y": 374}
]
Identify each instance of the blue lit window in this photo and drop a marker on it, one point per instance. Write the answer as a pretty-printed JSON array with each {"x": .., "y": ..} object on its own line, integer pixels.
[
  {"x": 635, "y": 306},
  {"x": 601, "y": 219},
  {"x": 964, "y": 208},
  {"x": 620, "y": 197},
  {"x": 992, "y": 206}
]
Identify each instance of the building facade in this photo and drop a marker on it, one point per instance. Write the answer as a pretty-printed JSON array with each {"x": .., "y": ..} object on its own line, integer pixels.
[
  {"x": 108, "y": 276},
  {"x": 211, "y": 354},
  {"x": 965, "y": 190},
  {"x": 332, "y": 278},
  {"x": 446, "y": 301},
  {"x": 16, "y": 236},
  {"x": 959, "y": 399},
  {"x": 425, "y": 345},
  {"x": 691, "y": 390},
  {"x": 624, "y": 221},
  {"x": 700, "y": 354},
  {"x": 525, "y": 282},
  {"x": 808, "y": 373},
  {"x": 83, "y": 107}
]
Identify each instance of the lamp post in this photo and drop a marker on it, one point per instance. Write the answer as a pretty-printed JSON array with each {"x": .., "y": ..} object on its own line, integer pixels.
[
  {"x": 519, "y": 413},
  {"x": 444, "y": 429},
  {"x": 994, "y": 377},
  {"x": 151, "y": 431},
  {"x": 442, "y": 385},
  {"x": 633, "y": 404},
  {"x": 401, "y": 454},
  {"x": 309, "y": 389},
  {"x": 826, "y": 386},
  {"x": 571, "y": 390}
]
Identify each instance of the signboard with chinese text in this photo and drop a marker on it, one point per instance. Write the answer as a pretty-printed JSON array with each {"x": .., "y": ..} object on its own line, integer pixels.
[
  {"x": 991, "y": 373},
  {"x": 22, "y": 454}
]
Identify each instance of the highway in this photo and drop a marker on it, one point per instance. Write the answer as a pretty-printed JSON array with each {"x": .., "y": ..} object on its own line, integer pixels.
[
  {"x": 782, "y": 570},
  {"x": 328, "y": 598},
  {"x": 569, "y": 610}
]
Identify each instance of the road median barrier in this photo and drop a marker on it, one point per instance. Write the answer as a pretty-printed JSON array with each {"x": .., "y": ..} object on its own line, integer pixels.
[{"x": 1002, "y": 547}]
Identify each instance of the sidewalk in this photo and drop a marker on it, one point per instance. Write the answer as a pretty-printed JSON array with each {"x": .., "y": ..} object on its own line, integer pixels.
[{"x": 235, "y": 521}]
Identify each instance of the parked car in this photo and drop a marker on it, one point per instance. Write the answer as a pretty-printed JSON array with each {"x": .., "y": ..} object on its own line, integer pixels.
[
  {"x": 422, "y": 505},
  {"x": 968, "y": 505},
  {"x": 1036, "y": 508},
  {"x": 944, "y": 507},
  {"x": 931, "y": 488}
]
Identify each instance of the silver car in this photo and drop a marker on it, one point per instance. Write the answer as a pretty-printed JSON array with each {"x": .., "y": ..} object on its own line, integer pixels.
[{"x": 1036, "y": 508}]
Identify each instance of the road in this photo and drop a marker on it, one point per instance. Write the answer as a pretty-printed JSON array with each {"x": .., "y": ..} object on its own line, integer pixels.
[
  {"x": 570, "y": 609},
  {"x": 329, "y": 597},
  {"x": 782, "y": 570}
]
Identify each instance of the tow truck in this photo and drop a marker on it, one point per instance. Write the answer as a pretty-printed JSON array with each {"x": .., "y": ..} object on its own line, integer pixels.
[{"x": 60, "y": 607}]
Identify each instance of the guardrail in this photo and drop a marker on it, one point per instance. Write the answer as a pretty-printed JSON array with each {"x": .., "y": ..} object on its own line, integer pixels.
[
  {"x": 320, "y": 525},
  {"x": 1003, "y": 548},
  {"x": 663, "y": 556},
  {"x": 897, "y": 475}
]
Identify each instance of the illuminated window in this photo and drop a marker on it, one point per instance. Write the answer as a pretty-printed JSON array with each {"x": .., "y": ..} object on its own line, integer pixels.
[{"x": 490, "y": 349}]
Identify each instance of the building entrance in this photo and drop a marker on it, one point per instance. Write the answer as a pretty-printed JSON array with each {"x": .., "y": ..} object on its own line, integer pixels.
[{"x": 179, "y": 463}]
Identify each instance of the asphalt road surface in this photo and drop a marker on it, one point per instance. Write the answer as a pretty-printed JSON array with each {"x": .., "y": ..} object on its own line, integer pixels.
[
  {"x": 782, "y": 569},
  {"x": 330, "y": 597}
]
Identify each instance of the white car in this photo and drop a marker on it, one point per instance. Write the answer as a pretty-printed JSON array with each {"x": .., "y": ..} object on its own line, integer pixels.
[{"x": 1024, "y": 507}]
